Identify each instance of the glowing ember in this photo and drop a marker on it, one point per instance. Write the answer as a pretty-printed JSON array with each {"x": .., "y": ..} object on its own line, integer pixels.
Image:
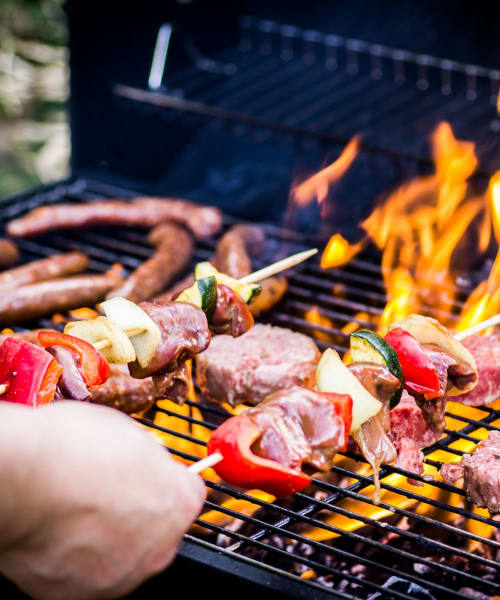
[
  {"x": 314, "y": 316},
  {"x": 317, "y": 185}
]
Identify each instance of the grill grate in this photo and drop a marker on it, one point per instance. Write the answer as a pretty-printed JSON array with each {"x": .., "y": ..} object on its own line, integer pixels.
[
  {"x": 282, "y": 78},
  {"x": 426, "y": 536}
]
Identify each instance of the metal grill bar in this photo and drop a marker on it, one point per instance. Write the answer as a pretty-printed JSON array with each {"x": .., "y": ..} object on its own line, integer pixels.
[
  {"x": 326, "y": 87},
  {"x": 129, "y": 248}
]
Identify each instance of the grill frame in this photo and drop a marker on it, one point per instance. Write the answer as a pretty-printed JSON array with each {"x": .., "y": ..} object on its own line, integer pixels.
[{"x": 200, "y": 550}]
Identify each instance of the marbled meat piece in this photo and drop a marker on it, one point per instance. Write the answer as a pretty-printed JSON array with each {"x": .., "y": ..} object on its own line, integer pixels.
[
  {"x": 300, "y": 427},
  {"x": 486, "y": 351},
  {"x": 481, "y": 473},
  {"x": 410, "y": 433},
  {"x": 260, "y": 362}
]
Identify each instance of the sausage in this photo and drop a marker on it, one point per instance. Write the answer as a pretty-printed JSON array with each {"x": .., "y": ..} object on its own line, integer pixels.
[
  {"x": 57, "y": 295},
  {"x": 59, "y": 265},
  {"x": 273, "y": 290},
  {"x": 235, "y": 246},
  {"x": 172, "y": 255},
  {"x": 9, "y": 254},
  {"x": 141, "y": 212},
  {"x": 123, "y": 392}
]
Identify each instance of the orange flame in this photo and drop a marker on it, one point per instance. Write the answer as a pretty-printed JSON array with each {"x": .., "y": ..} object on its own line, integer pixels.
[
  {"x": 484, "y": 302},
  {"x": 317, "y": 185},
  {"x": 338, "y": 251},
  {"x": 419, "y": 227}
]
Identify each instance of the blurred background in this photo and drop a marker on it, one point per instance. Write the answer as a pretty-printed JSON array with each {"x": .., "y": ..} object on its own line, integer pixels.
[{"x": 34, "y": 132}]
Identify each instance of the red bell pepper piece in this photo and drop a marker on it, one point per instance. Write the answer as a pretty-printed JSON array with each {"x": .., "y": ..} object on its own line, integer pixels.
[
  {"x": 29, "y": 373},
  {"x": 343, "y": 407},
  {"x": 418, "y": 369},
  {"x": 93, "y": 366},
  {"x": 241, "y": 467}
]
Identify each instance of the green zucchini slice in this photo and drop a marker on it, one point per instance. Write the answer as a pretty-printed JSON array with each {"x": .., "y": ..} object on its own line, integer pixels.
[
  {"x": 247, "y": 291},
  {"x": 203, "y": 294},
  {"x": 368, "y": 346}
]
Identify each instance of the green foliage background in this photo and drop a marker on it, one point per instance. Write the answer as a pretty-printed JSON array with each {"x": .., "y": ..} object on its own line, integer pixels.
[{"x": 34, "y": 137}]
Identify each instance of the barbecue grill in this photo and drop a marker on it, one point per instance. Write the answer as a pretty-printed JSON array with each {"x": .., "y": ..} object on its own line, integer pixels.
[{"x": 230, "y": 123}]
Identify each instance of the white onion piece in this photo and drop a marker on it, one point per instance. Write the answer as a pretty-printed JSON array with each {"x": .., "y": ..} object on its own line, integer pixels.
[
  {"x": 127, "y": 316},
  {"x": 119, "y": 350},
  {"x": 333, "y": 376}
]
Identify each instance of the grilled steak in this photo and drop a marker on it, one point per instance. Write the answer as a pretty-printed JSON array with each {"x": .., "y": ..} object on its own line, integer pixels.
[
  {"x": 141, "y": 212},
  {"x": 123, "y": 392},
  {"x": 260, "y": 362},
  {"x": 59, "y": 265},
  {"x": 9, "y": 254},
  {"x": 410, "y": 433},
  {"x": 172, "y": 255},
  {"x": 481, "y": 473},
  {"x": 486, "y": 351},
  {"x": 300, "y": 428}
]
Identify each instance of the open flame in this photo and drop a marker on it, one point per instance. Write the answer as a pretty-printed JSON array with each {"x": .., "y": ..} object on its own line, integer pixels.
[
  {"x": 316, "y": 186},
  {"x": 419, "y": 229}
]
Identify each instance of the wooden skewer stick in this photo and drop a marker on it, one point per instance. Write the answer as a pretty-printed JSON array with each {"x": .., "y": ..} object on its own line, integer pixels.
[
  {"x": 205, "y": 463},
  {"x": 129, "y": 332},
  {"x": 277, "y": 267},
  {"x": 461, "y": 335}
]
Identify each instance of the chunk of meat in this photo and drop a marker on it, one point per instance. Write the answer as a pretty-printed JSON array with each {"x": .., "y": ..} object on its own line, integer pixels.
[
  {"x": 301, "y": 428},
  {"x": 481, "y": 473},
  {"x": 486, "y": 351},
  {"x": 175, "y": 385},
  {"x": 410, "y": 433},
  {"x": 184, "y": 333},
  {"x": 123, "y": 392},
  {"x": 231, "y": 315},
  {"x": 262, "y": 361}
]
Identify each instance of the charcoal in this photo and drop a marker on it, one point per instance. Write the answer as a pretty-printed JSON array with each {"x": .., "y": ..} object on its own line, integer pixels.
[{"x": 405, "y": 587}]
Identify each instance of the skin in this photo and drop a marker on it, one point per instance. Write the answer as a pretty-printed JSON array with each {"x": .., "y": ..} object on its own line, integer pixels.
[{"x": 90, "y": 504}]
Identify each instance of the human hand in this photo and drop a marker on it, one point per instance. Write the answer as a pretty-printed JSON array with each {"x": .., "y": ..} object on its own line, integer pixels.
[{"x": 98, "y": 507}]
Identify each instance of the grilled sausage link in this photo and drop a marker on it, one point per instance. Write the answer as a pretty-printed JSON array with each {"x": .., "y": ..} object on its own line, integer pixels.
[
  {"x": 141, "y": 212},
  {"x": 232, "y": 255},
  {"x": 58, "y": 295},
  {"x": 172, "y": 255},
  {"x": 59, "y": 265},
  {"x": 123, "y": 392},
  {"x": 9, "y": 254}
]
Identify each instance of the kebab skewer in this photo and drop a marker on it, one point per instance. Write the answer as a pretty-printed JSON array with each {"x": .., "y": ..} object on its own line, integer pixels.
[
  {"x": 374, "y": 383},
  {"x": 164, "y": 335}
]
